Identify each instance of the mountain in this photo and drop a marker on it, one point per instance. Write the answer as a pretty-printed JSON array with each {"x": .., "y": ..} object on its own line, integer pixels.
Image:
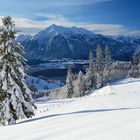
[
  {"x": 57, "y": 42},
  {"x": 137, "y": 54},
  {"x": 22, "y": 38},
  {"x": 134, "y": 40}
]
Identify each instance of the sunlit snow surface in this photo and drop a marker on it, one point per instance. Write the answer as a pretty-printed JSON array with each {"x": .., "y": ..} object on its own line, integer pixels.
[{"x": 111, "y": 113}]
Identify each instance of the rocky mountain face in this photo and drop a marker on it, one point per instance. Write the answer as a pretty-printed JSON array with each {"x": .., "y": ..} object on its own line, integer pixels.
[
  {"x": 134, "y": 40},
  {"x": 57, "y": 42}
]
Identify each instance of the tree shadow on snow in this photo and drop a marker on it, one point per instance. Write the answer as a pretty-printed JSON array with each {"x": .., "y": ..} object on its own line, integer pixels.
[{"x": 77, "y": 112}]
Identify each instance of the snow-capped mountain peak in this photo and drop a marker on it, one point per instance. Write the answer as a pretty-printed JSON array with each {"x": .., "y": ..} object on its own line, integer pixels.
[
  {"x": 67, "y": 30},
  {"x": 74, "y": 42}
]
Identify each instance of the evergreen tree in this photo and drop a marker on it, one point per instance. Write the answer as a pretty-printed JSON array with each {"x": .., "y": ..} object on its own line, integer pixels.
[
  {"x": 131, "y": 70},
  {"x": 91, "y": 63},
  {"x": 108, "y": 63},
  {"x": 99, "y": 58},
  {"x": 15, "y": 97},
  {"x": 135, "y": 69},
  {"x": 139, "y": 68},
  {"x": 81, "y": 84},
  {"x": 69, "y": 83},
  {"x": 90, "y": 75}
]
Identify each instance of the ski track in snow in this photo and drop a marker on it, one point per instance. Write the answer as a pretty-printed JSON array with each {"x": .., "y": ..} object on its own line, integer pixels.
[{"x": 111, "y": 113}]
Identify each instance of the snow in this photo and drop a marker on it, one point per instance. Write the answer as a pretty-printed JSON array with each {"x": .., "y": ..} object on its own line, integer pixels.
[
  {"x": 127, "y": 39},
  {"x": 137, "y": 51},
  {"x": 54, "y": 30},
  {"x": 111, "y": 113},
  {"x": 23, "y": 37},
  {"x": 41, "y": 84},
  {"x": 66, "y": 30}
]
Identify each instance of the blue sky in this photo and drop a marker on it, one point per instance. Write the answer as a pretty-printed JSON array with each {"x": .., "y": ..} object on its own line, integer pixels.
[{"x": 110, "y": 17}]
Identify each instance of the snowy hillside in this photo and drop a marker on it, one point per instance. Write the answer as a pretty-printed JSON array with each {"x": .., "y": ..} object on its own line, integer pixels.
[
  {"x": 111, "y": 113},
  {"x": 40, "y": 84},
  {"x": 134, "y": 40}
]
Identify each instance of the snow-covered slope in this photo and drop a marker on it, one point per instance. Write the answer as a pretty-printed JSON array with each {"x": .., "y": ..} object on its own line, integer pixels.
[
  {"x": 111, "y": 113},
  {"x": 40, "y": 84},
  {"x": 23, "y": 37},
  {"x": 135, "y": 40},
  {"x": 137, "y": 53}
]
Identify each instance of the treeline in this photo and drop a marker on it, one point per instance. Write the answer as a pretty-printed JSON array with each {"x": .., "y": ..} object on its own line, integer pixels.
[{"x": 102, "y": 70}]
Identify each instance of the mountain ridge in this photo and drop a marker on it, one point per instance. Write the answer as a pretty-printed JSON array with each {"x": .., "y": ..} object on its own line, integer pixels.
[{"x": 58, "y": 42}]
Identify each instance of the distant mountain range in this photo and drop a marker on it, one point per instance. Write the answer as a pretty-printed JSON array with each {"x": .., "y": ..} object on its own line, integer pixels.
[
  {"x": 133, "y": 40},
  {"x": 57, "y": 42}
]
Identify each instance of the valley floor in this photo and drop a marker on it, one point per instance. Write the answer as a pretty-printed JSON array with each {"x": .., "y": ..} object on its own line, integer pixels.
[{"x": 111, "y": 113}]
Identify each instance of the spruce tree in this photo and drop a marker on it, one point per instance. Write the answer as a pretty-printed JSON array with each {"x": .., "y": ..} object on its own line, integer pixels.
[
  {"x": 139, "y": 67},
  {"x": 81, "y": 84},
  {"x": 108, "y": 63},
  {"x": 90, "y": 75},
  {"x": 15, "y": 97},
  {"x": 135, "y": 68},
  {"x": 99, "y": 58},
  {"x": 69, "y": 83}
]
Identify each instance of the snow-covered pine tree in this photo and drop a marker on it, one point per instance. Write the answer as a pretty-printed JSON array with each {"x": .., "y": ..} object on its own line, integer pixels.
[
  {"x": 139, "y": 68},
  {"x": 130, "y": 70},
  {"x": 90, "y": 75},
  {"x": 108, "y": 63},
  {"x": 81, "y": 84},
  {"x": 99, "y": 58},
  {"x": 15, "y": 97},
  {"x": 69, "y": 83},
  {"x": 135, "y": 69}
]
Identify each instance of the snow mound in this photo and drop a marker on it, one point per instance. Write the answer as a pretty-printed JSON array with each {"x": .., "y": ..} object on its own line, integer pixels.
[{"x": 107, "y": 90}]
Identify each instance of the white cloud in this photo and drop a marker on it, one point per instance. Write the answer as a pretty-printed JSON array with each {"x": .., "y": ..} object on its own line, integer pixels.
[
  {"x": 74, "y": 2},
  {"x": 106, "y": 29},
  {"x": 33, "y": 26},
  {"x": 134, "y": 33}
]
